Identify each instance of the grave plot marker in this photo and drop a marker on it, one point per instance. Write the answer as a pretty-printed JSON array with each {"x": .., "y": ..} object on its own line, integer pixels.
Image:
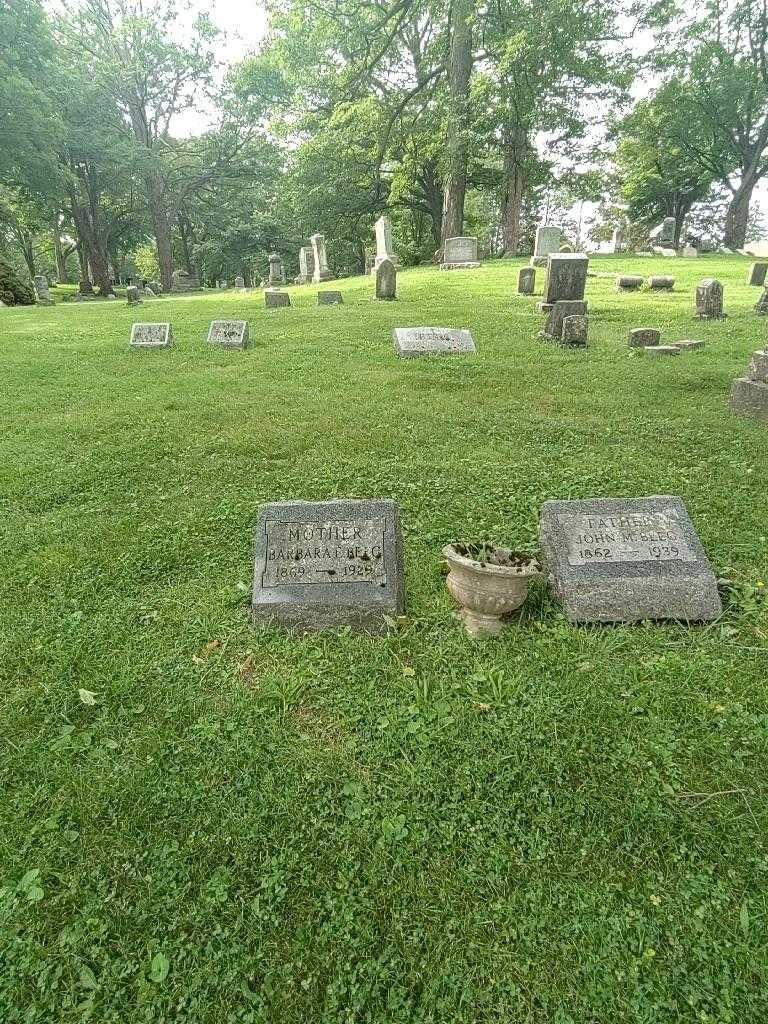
[
  {"x": 229, "y": 333},
  {"x": 148, "y": 335},
  {"x": 426, "y": 341}
]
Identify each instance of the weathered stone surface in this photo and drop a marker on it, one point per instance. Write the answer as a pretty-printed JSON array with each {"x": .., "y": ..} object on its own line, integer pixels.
[
  {"x": 275, "y": 299},
  {"x": 756, "y": 274},
  {"x": 643, "y": 337},
  {"x": 148, "y": 335},
  {"x": 526, "y": 280},
  {"x": 132, "y": 295},
  {"x": 690, "y": 252},
  {"x": 618, "y": 240},
  {"x": 574, "y": 330},
  {"x": 229, "y": 333},
  {"x": 749, "y": 398},
  {"x": 306, "y": 264},
  {"x": 548, "y": 240},
  {"x": 664, "y": 234},
  {"x": 758, "y": 366},
  {"x": 628, "y": 282},
  {"x": 276, "y": 274},
  {"x": 321, "y": 271},
  {"x": 460, "y": 253},
  {"x": 386, "y": 280},
  {"x": 325, "y": 564},
  {"x": 425, "y": 341},
  {"x": 663, "y": 350},
  {"x": 42, "y": 290},
  {"x": 240, "y": 282},
  {"x": 565, "y": 307},
  {"x": 627, "y": 559},
  {"x": 761, "y": 307},
  {"x": 688, "y": 343},
  {"x": 709, "y": 299},
  {"x": 184, "y": 282},
  {"x": 329, "y": 298},
  {"x": 661, "y": 283},
  {"x": 566, "y": 276},
  {"x": 384, "y": 247}
]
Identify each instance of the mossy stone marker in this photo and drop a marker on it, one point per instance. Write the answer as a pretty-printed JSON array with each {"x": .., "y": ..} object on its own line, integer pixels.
[
  {"x": 324, "y": 564},
  {"x": 627, "y": 559}
]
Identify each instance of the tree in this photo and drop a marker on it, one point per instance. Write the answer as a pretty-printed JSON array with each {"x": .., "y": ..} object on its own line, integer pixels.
[{"x": 460, "y": 59}]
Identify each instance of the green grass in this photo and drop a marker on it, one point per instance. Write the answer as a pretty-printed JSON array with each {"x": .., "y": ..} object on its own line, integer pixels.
[{"x": 251, "y": 827}]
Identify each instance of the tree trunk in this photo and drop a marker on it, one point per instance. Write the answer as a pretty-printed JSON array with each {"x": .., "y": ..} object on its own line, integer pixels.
[
  {"x": 459, "y": 72},
  {"x": 185, "y": 231},
  {"x": 737, "y": 216},
  {"x": 61, "y": 259},
  {"x": 516, "y": 153},
  {"x": 161, "y": 224},
  {"x": 429, "y": 179}
]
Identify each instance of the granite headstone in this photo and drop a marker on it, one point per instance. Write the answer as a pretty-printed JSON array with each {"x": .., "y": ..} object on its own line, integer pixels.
[
  {"x": 146, "y": 335},
  {"x": 229, "y": 333},
  {"x": 426, "y": 341}
]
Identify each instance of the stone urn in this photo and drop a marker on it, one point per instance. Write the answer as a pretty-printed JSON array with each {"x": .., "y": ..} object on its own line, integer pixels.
[{"x": 489, "y": 584}]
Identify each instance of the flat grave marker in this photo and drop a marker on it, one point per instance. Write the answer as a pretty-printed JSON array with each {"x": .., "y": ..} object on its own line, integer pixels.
[
  {"x": 229, "y": 333},
  {"x": 324, "y": 564},
  {"x": 145, "y": 335},
  {"x": 627, "y": 559},
  {"x": 426, "y": 341}
]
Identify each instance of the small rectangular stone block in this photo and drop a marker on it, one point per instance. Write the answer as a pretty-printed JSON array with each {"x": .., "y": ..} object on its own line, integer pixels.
[
  {"x": 574, "y": 330},
  {"x": 756, "y": 274},
  {"x": 642, "y": 337},
  {"x": 229, "y": 333},
  {"x": 749, "y": 398},
  {"x": 627, "y": 559},
  {"x": 151, "y": 336},
  {"x": 275, "y": 300},
  {"x": 425, "y": 341},
  {"x": 758, "y": 366},
  {"x": 663, "y": 350},
  {"x": 526, "y": 280},
  {"x": 329, "y": 298},
  {"x": 559, "y": 311},
  {"x": 688, "y": 343},
  {"x": 325, "y": 564},
  {"x": 628, "y": 283}
]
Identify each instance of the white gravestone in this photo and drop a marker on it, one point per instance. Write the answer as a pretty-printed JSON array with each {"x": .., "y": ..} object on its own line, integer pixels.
[
  {"x": 229, "y": 333},
  {"x": 321, "y": 271},
  {"x": 151, "y": 335},
  {"x": 426, "y": 341},
  {"x": 549, "y": 238},
  {"x": 384, "y": 247}
]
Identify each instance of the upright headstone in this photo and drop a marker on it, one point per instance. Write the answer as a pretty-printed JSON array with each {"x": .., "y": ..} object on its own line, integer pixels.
[
  {"x": 321, "y": 271},
  {"x": 240, "y": 282},
  {"x": 184, "y": 282},
  {"x": 566, "y": 277},
  {"x": 229, "y": 333},
  {"x": 460, "y": 253},
  {"x": 370, "y": 259},
  {"x": 526, "y": 280},
  {"x": 709, "y": 299},
  {"x": 627, "y": 559},
  {"x": 574, "y": 330},
  {"x": 553, "y": 327},
  {"x": 618, "y": 240},
  {"x": 386, "y": 280},
  {"x": 132, "y": 294},
  {"x": 749, "y": 394},
  {"x": 43, "y": 292},
  {"x": 384, "y": 247},
  {"x": 325, "y": 564},
  {"x": 756, "y": 274},
  {"x": 276, "y": 276},
  {"x": 644, "y": 337},
  {"x": 151, "y": 336},
  {"x": 306, "y": 264},
  {"x": 761, "y": 306},
  {"x": 690, "y": 252},
  {"x": 428, "y": 341},
  {"x": 275, "y": 299},
  {"x": 664, "y": 234},
  {"x": 548, "y": 239}
]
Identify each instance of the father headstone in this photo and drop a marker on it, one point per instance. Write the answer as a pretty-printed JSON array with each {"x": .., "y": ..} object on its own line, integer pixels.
[
  {"x": 229, "y": 333},
  {"x": 709, "y": 299},
  {"x": 749, "y": 394},
  {"x": 460, "y": 253},
  {"x": 306, "y": 264},
  {"x": 427, "y": 341},
  {"x": 548, "y": 240},
  {"x": 566, "y": 278},
  {"x": 151, "y": 336},
  {"x": 384, "y": 248},
  {"x": 627, "y": 559},
  {"x": 321, "y": 271},
  {"x": 386, "y": 280},
  {"x": 756, "y": 274},
  {"x": 526, "y": 280},
  {"x": 325, "y": 564}
]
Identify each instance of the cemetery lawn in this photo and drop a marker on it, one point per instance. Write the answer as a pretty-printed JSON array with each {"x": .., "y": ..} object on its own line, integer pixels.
[{"x": 204, "y": 823}]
